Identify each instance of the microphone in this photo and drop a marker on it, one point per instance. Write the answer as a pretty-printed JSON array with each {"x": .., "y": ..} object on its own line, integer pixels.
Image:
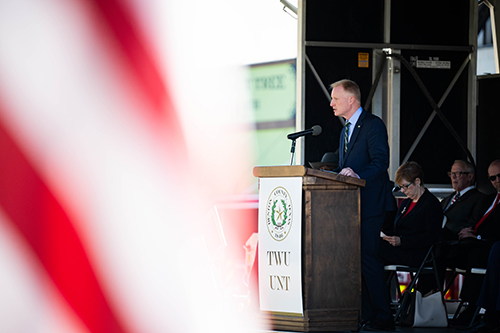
[{"x": 315, "y": 130}]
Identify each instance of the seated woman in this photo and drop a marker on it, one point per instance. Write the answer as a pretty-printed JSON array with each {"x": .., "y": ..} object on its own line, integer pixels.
[{"x": 418, "y": 221}]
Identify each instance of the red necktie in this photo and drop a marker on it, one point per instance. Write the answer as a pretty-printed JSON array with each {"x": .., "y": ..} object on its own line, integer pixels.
[{"x": 486, "y": 215}]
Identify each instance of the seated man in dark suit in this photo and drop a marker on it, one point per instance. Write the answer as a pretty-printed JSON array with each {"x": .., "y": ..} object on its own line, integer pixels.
[
  {"x": 473, "y": 248},
  {"x": 461, "y": 206}
]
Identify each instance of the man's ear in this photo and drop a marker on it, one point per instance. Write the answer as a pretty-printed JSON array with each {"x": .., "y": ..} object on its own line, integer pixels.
[{"x": 471, "y": 177}]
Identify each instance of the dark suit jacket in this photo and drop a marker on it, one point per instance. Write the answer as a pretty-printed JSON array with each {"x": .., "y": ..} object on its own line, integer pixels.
[
  {"x": 419, "y": 229},
  {"x": 368, "y": 156},
  {"x": 489, "y": 230},
  {"x": 471, "y": 252},
  {"x": 462, "y": 213}
]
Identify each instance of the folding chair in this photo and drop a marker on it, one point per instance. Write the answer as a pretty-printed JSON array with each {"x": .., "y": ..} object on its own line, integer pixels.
[
  {"x": 480, "y": 271},
  {"x": 455, "y": 273},
  {"x": 393, "y": 281},
  {"x": 415, "y": 274}
]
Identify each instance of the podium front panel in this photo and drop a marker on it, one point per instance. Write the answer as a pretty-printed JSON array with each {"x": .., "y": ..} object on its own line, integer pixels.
[{"x": 280, "y": 253}]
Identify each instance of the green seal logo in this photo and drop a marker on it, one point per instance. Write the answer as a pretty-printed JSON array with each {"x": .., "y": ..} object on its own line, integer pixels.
[{"x": 279, "y": 213}]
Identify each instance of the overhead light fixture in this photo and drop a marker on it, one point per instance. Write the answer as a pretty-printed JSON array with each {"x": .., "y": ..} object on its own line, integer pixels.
[{"x": 292, "y": 10}]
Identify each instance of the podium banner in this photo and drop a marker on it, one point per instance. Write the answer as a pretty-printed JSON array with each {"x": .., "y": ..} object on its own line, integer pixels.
[{"x": 280, "y": 253}]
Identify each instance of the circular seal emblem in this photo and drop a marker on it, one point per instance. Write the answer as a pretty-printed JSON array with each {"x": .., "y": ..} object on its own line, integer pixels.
[{"x": 279, "y": 213}]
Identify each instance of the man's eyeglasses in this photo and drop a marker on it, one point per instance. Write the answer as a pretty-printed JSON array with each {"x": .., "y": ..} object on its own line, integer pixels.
[
  {"x": 457, "y": 174},
  {"x": 398, "y": 188},
  {"x": 492, "y": 178}
]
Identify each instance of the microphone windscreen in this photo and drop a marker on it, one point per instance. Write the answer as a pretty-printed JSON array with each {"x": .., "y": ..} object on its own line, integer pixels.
[{"x": 316, "y": 130}]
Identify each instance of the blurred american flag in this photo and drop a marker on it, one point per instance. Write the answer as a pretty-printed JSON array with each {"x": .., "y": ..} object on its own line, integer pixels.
[{"x": 115, "y": 139}]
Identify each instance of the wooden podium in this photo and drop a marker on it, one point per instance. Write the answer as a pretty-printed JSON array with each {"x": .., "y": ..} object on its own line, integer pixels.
[{"x": 331, "y": 263}]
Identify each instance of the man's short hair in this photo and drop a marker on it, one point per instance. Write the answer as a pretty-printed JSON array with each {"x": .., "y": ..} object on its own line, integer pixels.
[
  {"x": 469, "y": 167},
  {"x": 350, "y": 87}
]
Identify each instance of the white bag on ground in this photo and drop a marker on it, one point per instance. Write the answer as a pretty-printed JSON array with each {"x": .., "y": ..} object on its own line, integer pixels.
[{"x": 430, "y": 311}]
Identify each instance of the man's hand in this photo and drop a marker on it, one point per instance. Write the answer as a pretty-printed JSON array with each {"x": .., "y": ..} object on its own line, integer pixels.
[
  {"x": 348, "y": 172},
  {"x": 466, "y": 233}
]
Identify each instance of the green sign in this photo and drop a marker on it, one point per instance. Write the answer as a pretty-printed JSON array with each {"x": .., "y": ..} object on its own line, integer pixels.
[{"x": 273, "y": 91}]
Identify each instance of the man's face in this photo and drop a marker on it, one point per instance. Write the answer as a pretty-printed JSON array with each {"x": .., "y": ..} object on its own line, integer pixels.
[
  {"x": 460, "y": 181},
  {"x": 494, "y": 170},
  {"x": 341, "y": 102}
]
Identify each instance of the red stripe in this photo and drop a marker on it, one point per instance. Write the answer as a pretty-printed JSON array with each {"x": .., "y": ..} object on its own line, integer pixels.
[
  {"x": 37, "y": 213},
  {"x": 139, "y": 61},
  {"x": 47, "y": 228},
  {"x": 486, "y": 215}
]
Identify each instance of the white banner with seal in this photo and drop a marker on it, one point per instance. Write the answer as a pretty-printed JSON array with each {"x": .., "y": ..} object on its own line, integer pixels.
[{"x": 280, "y": 251}]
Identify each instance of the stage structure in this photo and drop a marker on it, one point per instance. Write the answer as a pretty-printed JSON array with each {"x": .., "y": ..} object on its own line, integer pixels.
[{"x": 420, "y": 60}]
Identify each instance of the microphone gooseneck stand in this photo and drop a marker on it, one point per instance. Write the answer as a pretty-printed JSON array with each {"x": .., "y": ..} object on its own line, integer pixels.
[{"x": 292, "y": 151}]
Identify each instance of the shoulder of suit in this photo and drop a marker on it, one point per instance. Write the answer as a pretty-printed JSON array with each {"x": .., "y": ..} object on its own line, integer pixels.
[
  {"x": 367, "y": 115},
  {"x": 367, "y": 118},
  {"x": 491, "y": 196},
  {"x": 487, "y": 200},
  {"x": 427, "y": 195},
  {"x": 474, "y": 193}
]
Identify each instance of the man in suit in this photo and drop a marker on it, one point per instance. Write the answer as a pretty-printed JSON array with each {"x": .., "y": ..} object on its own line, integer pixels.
[
  {"x": 473, "y": 248},
  {"x": 364, "y": 154},
  {"x": 461, "y": 206}
]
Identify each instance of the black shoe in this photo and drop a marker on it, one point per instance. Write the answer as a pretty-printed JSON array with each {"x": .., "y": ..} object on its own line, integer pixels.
[
  {"x": 362, "y": 323},
  {"x": 379, "y": 325}
]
